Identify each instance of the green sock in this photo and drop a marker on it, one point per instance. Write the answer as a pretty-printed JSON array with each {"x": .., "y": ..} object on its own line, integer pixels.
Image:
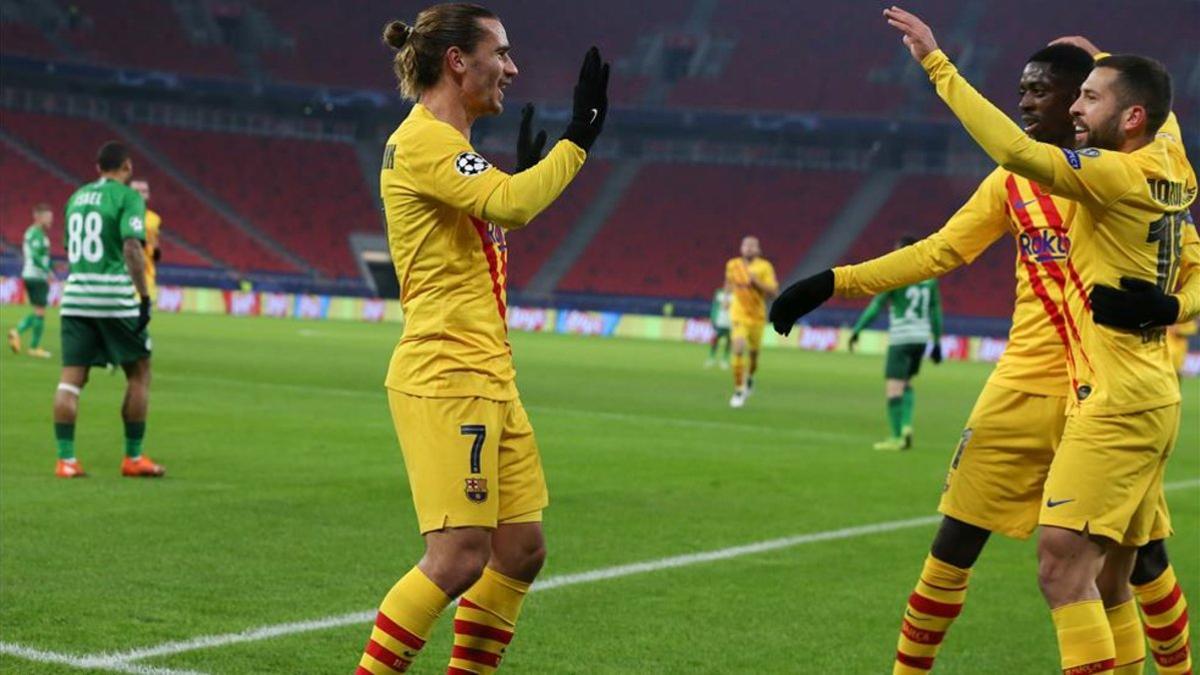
[
  {"x": 39, "y": 325},
  {"x": 906, "y": 410},
  {"x": 64, "y": 437},
  {"x": 895, "y": 411},
  {"x": 134, "y": 433},
  {"x": 26, "y": 323}
]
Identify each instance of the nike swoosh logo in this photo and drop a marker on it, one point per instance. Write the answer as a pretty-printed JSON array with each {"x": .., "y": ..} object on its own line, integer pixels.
[
  {"x": 1050, "y": 503},
  {"x": 1166, "y": 648},
  {"x": 1026, "y": 204},
  {"x": 595, "y": 114},
  {"x": 914, "y": 617}
]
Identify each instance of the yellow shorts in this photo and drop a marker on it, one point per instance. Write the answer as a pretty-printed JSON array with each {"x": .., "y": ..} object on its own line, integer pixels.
[
  {"x": 1107, "y": 476},
  {"x": 470, "y": 461},
  {"x": 751, "y": 332},
  {"x": 996, "y": 474}
]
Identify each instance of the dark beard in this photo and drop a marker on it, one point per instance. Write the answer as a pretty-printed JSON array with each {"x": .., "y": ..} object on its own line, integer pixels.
[{"x": 1107, "y": 137}]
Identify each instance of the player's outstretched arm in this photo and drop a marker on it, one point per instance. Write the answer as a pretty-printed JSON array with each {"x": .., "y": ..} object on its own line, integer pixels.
[{"x": 1102, "y": 179}]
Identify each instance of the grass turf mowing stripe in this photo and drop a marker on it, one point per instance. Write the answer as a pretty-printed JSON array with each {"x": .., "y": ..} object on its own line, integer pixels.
[{"x": 560, "y": 581}]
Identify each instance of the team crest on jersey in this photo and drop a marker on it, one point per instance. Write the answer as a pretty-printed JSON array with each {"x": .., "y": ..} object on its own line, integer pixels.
[
  {"x": 477, "y": 490},
  {"x": 470, "y": 164},
  {"x": 136, "y": 224}
]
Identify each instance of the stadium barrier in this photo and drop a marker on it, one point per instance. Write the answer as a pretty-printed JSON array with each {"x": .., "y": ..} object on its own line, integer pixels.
[{"x": 178, "y": 299}]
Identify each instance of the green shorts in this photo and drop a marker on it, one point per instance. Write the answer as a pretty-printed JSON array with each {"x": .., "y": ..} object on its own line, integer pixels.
[
  {"x": 903, "y": 361},
  {"x": 38, "y": 291},
  {"x": 94, "y": 342},
  {"x": 722, "y": 332}
]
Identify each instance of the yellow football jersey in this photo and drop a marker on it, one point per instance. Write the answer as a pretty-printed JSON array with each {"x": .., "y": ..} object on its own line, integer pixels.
[
  {"x": 1131, "y": 221},
  {"x": 153, "y": 223},
  {"x": 447, "y": 212},
  {"x": 749, "y": 303}
]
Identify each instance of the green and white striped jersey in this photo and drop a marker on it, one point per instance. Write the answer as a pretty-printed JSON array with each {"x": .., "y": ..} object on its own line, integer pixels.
[
  {"x": 100, "y": 217},
  {"x": 36, "y": 250},
  {"x": 914, "y": 313}
]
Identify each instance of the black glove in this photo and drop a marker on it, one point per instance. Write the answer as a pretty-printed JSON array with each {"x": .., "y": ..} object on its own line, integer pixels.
[
  {"x": 157, "y": 254},
  {"x": 935, "y": 354},
  {"x": 529, "y": 149},
  {"x": 143, "y": 315},
  {"x": 799, "y": 299},
  {"x": 1137, "y": 305},
  {"x": 591, "y": 102},
  {"x": 853, "y": 341}
]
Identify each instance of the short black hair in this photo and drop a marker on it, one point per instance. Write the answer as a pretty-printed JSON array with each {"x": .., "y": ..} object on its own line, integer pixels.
[
  {"x": 1068, "y": 62},
  {"x": 1142, "y": 81},
  {"x": 112, "y": 156},
  {"x": 906, "y": 240}
]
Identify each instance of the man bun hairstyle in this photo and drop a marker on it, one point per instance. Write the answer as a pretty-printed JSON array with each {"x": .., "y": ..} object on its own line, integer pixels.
[
  {"x": 1142, "y": 81},
  {"x": 112, "y": 156},
  {"x": 1066, "y": 61},
  {"x": 421, "y": 47}
]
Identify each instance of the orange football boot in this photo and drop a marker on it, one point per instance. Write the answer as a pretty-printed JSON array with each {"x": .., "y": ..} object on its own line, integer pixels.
[
  {"x": 65, "y": 469},
  {"x": 14, "y": 340},
  {"x": 142, "y": 467}
]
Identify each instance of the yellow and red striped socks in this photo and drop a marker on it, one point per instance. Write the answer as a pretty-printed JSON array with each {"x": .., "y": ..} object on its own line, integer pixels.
[
  {"x": 1126, "y": 627},
  {"x": 483, "y": 625},
  {"x": 933, "y": 606},
  {"x": 402, "y": 625},
  {"x": 1085, "y": 642},
  {"x": 1165, "y": 611}
]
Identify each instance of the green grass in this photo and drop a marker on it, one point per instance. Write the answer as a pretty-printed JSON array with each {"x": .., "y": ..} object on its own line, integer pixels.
[{"x": 286, "y": 500}]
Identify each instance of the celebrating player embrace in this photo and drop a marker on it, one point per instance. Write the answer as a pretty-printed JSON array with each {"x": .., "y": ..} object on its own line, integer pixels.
[
  {"x": 472, "y": 460},
  {"x": 1133, "y": 185}
]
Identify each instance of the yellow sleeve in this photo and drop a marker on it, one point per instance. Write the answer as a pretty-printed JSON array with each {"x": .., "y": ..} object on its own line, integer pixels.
[
  {"x": 1189, "y": 275},
  {"x": 769, "y": 280},
  {"x": 1097, "y": 177},
  {"x": 968, "y": 233},
  {"x": 446, "y": 168}
]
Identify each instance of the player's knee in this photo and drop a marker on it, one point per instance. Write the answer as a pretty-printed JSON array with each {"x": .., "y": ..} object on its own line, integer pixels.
[
  {"x": 1065, "y": 568},
  {"x": 1150, "y": 563},
  {"x": 958, "y": 543},
  {"x": 456, "y": 569}
]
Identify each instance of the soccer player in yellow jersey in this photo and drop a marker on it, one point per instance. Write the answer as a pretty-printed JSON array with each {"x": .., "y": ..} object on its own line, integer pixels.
[
  {"x": 473, "y": 464},
  {"x": 997, "y": 471},
  {"x": 153, "y": 247},
  {"x": 751, "y": 280},
  {"x": 1133, "y": 186}
]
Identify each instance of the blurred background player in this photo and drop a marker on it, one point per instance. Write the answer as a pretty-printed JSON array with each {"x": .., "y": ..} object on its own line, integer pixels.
[
  {"x": 1177, "y": 340},
  {"x": 473, "y": 462},
  {"x": 719, "y": 315},
  {"x": 751, "y": 281},
  {"x": 103, "y": 321},
  {"x": 1104, "y": 488},
  {"x": 153, "y": 246},
  {"x": 914, "y": 321},
  {"x": 35, "y": 273}
]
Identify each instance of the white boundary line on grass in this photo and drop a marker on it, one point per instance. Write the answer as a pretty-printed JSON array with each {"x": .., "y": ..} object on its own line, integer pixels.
[
  {"x": 124, "y": 662},
  {"x": 41, "y": 656}
]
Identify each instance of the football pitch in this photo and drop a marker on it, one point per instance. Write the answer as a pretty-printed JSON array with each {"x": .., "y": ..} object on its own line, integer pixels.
[{"x": 684, "y": 536}]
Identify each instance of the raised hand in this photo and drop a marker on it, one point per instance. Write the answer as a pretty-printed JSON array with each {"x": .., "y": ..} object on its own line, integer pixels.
[
  {"x": 918, "y": 37},
  {"x": 590, "y": 106},
  {"x": 529, "y": 148}
]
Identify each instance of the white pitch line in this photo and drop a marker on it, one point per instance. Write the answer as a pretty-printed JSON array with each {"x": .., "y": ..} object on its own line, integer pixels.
[
  {"x": 57, "y": 658},
  {"x": 560, "y": 581},
  {"x": 122, "y": 662}
]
